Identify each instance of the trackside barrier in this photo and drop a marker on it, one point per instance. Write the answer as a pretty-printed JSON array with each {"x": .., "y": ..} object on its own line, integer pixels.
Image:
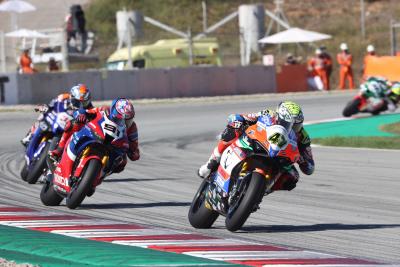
[
  {"x": 146, "y": 83},
  {"x": 292, "y": 78},
  {"x": 386, "y": 66}
]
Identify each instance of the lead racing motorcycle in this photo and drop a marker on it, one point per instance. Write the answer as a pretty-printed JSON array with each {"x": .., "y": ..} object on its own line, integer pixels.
[
  {"x": 248, "y": 170},
  {"x": 45, "y": 138},
  {"x": 101, "y": 145}
]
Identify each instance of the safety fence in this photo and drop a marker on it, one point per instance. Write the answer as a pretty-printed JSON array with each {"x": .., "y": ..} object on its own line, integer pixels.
[{"x": 144, "y": 83}]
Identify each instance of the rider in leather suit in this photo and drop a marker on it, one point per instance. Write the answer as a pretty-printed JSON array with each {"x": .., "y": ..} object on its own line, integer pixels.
[
  {"x": 81, "y": 117},
  {"x": 78, "y": 96},
  {"x": 237, "y": 124}
]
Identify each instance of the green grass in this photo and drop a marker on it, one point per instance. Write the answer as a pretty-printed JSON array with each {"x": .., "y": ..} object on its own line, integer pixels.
[
  {"x": 392, "y": 128},
  {"x": 369, "y": 142}
]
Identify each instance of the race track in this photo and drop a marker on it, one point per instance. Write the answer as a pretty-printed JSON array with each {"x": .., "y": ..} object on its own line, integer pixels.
[{"x": 349, "y": 207}]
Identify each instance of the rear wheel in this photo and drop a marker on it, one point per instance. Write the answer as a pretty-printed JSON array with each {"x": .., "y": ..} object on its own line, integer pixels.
[
  {"x": 351, "y": 108},
  {"x": 39, "y": 165},
  {"x": 24, "y": 171},
  {"x": 199, "y": 215},
  {"x": 81, "y": 188},
  {"x": 247, "y": 201},
  {"x": 49, "y": 196}
]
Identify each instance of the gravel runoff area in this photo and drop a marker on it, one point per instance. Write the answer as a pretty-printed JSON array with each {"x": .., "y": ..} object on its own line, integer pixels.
[
  {"x": 5, "y": 263},
  {"x": 271, "y": 96}
]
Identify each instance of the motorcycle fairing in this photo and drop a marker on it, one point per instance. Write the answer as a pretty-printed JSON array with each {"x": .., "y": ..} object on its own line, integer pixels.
[{"x": 230, "y": 158}]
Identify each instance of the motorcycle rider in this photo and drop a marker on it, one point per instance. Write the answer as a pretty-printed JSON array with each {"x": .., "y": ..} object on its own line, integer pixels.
[
  {"x": 120, "y": 111},
  {"x": 237, "y": 123},
  {"x": 380, "y": 90},
  {"x": 78, "y": 96}
]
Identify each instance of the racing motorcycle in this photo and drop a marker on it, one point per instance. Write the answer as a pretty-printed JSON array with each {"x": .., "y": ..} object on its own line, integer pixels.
[
  {"x": 248, "y": 170},
  {"x": 46, "y": 137},
  {"x": 364, "y": 103},
  {"x": 101, "y": 145}
]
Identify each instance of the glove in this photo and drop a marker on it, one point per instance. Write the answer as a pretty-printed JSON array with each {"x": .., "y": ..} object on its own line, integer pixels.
[
  {"x": 43, "y": 108},
  {"x": 80, "y": 116}
]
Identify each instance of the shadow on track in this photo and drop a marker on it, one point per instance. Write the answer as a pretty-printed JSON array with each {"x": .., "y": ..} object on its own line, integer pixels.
[
  {"x": 314, "y": 227},
  {"x": 118, "y": 180},
  {"x": 134, "y": 205}
]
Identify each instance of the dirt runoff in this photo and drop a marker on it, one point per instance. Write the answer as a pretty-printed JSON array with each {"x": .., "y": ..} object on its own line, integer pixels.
[{"x": 5, "y": 263}]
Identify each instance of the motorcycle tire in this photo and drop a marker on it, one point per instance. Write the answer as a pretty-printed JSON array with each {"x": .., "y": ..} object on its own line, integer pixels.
[
  {"x": 39, "y": 166},
  {"x": 199, "y": 215},
  {"x": 351, "y": 108},
  {"x": 251, "y": 196},
  {"x": 24, "y": 171},
  {"x": 49, "y": 196},
  {"x": 80, "y": 190}
]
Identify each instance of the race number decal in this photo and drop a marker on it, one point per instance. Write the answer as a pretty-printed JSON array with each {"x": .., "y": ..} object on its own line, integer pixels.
[{"x": 111, "y": 130}]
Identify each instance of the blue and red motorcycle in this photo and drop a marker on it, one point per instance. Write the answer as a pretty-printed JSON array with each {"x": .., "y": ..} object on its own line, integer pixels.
[
  {"x": 100, "y": 146},
  {"x": 45, "y": 137}
]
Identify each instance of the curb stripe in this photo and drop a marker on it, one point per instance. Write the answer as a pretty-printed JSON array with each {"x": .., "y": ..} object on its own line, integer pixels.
[
  {"x": 181, "y": 249},
  {"x": 89, "y": 227},
  {"x": 168, "y": 240},
  {"x": 153, "y": 237}
]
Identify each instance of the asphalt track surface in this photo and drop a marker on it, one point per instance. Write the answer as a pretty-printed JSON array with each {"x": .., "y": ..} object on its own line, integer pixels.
[{"x": 349, "y": 207}]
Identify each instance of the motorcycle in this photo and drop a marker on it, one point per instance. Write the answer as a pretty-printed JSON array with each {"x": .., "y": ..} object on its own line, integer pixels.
[
  {"x": 101, "y": 145},
  {"x": 363, "y": 103},
  {"x": 248, "y": 170},
  {"x": 45, "y": 138}
]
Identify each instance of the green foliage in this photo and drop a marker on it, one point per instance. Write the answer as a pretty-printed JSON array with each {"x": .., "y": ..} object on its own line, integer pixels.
[{"x": 339, "y": 18}]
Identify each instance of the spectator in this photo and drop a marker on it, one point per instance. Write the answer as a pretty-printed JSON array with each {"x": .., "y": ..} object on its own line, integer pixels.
[
  {"x": 25, "y": 62},
  {"x": 345, "y": 60},
  {"x": 328, "y": 63},
  {"x": 317, "y": 65},
  {"x": 52, "y": 65},
  {"x": 291, "y": 60},
  {"x": 69, "y": 28}
]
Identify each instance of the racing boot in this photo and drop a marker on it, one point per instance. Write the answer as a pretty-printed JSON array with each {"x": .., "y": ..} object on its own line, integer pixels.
[
  {"x": 56, "y": 153},
  {"x": 211, "y": 165},
  {"x": 25, "y": 141}
]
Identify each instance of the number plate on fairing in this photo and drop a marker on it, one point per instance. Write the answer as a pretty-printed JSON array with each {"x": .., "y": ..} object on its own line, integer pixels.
[{"x": 229, "y": 159}]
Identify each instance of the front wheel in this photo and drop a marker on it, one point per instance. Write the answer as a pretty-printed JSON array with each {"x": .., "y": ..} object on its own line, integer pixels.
[
  {"x": 49, "y": 196},
  {"x": 81, "y": 188},
  {"x": 39, "y": 165},
  {"x": 199, "y": 215},
  {"x": 24, "y": 171},
  {"x": 247, "y": 201},
  {"x": 352, "y": 108}
]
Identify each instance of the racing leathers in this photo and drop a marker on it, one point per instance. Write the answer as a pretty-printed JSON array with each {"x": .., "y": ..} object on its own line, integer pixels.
[
  {"x": 61, "y": 102},
  {"x": 78, "y": 123},
  {"x": 237, "y": 123},
  {"x": 379, "y": 90}
]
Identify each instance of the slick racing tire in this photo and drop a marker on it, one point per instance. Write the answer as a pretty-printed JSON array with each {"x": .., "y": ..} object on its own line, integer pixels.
[
  {"x": 24, "y": 171},
  {"x": 249, "y": 198},
  {"x": 81, "y": 188},
  {"x": 49, "y": 196},
  {"x": 39, "y": 166},
  {"x": 351, "y": 108},
  {"x": 199, "y": 215}
]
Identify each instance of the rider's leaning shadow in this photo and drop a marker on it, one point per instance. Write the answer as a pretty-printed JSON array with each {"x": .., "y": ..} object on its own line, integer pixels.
[
  {"x": 313, "y": 227},
  {"x": 121, "y": 180},
  {"x": 134, "y": 205}
]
